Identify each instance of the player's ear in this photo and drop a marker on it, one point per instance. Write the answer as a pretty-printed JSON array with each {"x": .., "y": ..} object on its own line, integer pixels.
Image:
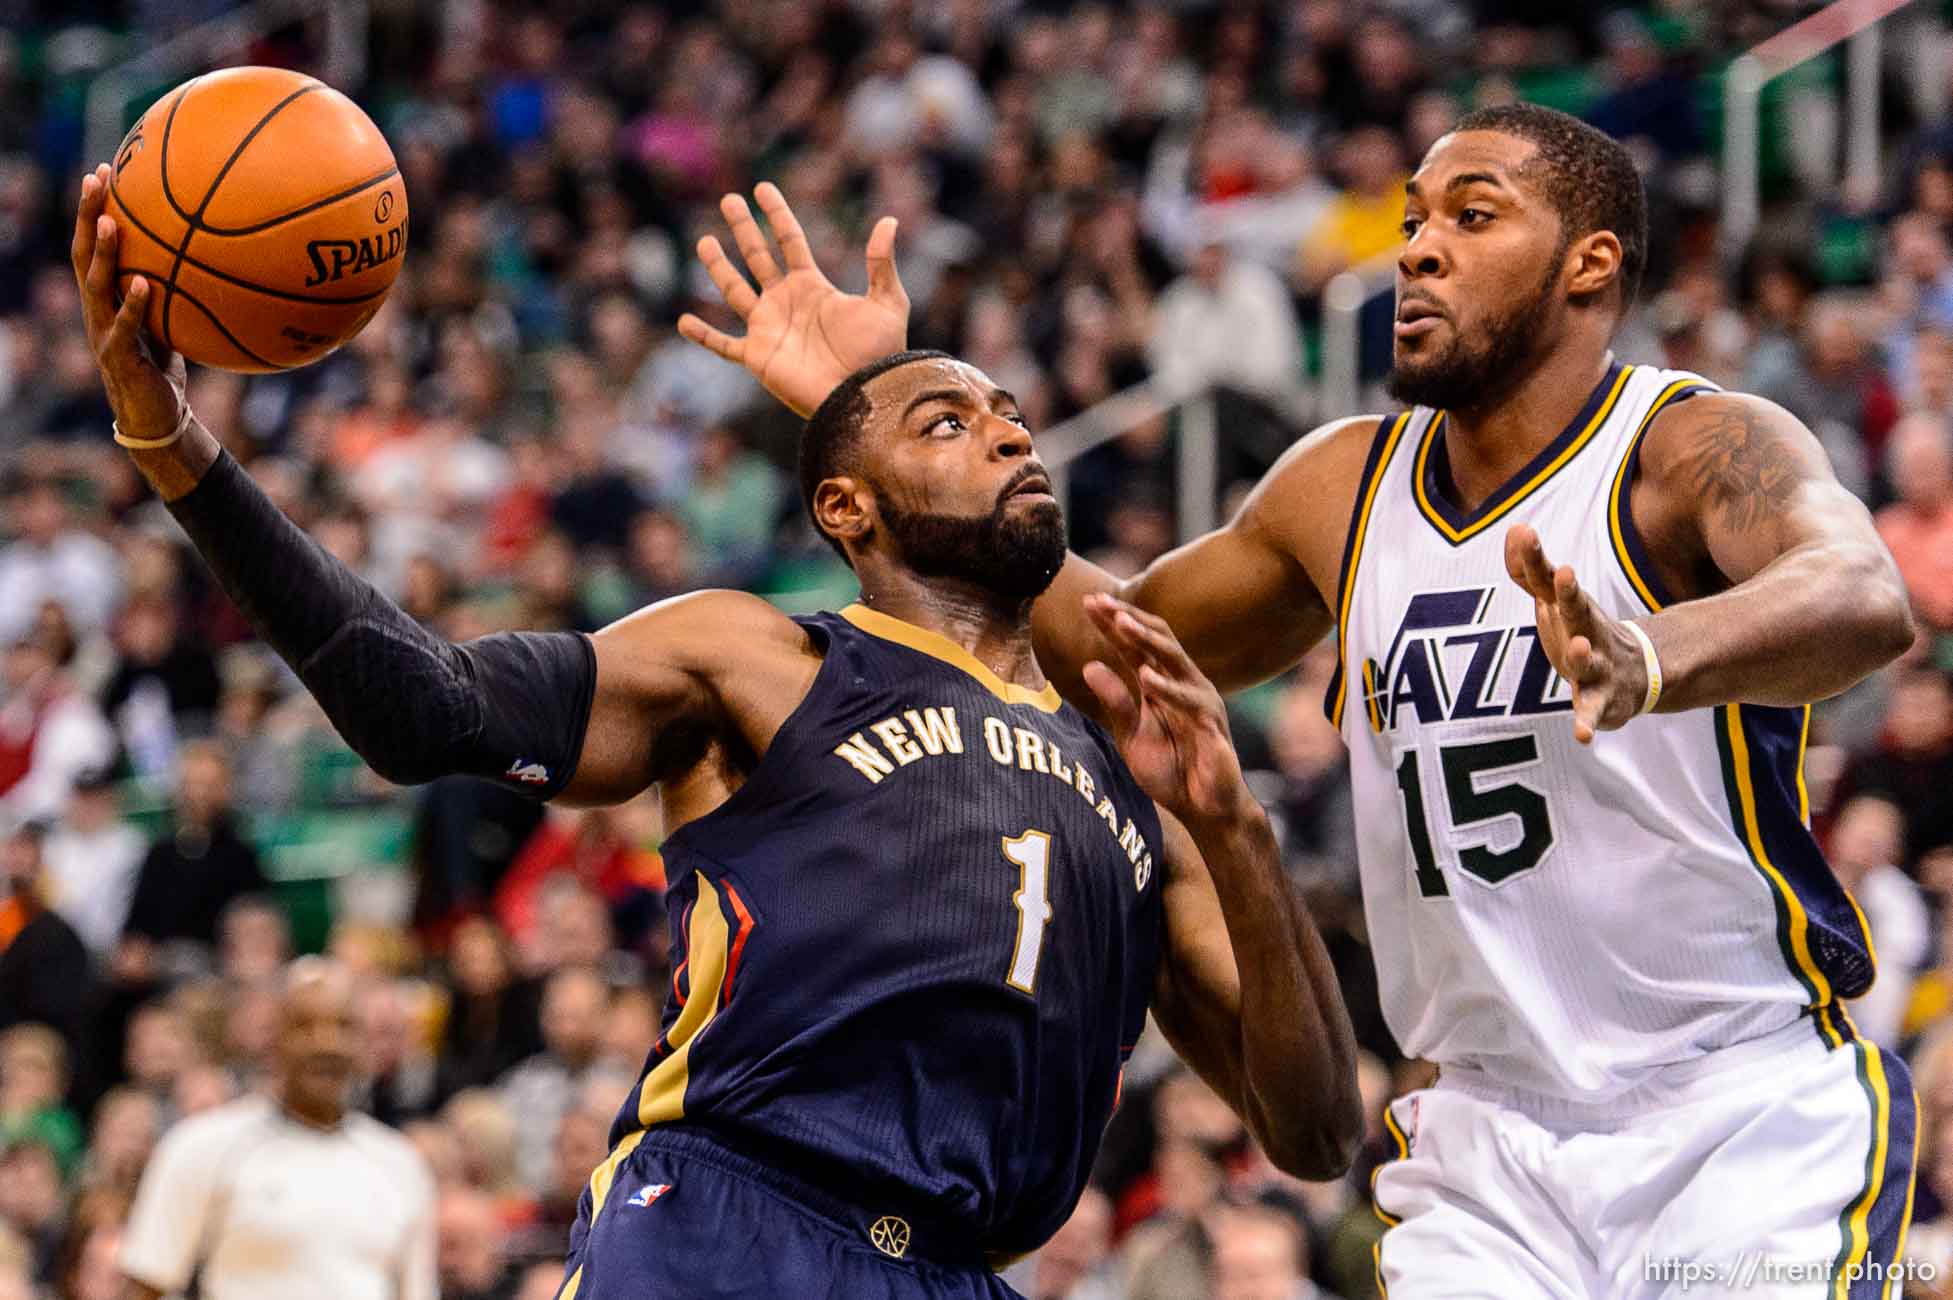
[
  {"x": 1595, "y": 262},
  {"x": 841, "y": 507}
]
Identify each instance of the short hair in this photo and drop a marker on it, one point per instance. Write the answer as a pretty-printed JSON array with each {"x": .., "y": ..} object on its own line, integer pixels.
[
  {"x": 834, "y": 430},
  {"x": 1586, "y": 174}
]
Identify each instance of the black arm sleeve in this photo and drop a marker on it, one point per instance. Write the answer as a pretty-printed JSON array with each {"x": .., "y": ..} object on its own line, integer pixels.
[{"x": 512, "y": 707}]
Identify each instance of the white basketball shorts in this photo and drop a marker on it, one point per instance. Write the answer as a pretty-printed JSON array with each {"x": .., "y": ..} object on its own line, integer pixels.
[{"x": 1776, "y": 1169}]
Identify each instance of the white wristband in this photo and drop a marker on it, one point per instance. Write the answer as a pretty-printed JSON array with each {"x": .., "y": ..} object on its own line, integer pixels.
[
  {"x": 1651, "y": 662},
  {"x": 154, "y": 444}
]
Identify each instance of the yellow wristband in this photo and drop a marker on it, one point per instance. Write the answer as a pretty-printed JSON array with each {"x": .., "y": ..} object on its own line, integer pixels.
[
  {"x": 153, "y": 444},
  {"x": 1651, "y": 662}
]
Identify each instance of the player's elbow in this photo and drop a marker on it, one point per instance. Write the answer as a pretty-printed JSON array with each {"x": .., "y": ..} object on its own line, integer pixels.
[
  {"x": 405, "y": 702},
  {"x": 1319, "y": 1146},
  {"x": 1883, "y": 609}
]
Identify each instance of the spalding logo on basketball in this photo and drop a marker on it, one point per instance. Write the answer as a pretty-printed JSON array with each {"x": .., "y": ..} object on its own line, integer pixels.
[{"x": 248, "y": 198}]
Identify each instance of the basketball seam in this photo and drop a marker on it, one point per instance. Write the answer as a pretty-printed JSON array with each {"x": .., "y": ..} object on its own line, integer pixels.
[
  {"x": 239, "y": 281},
  {"x": 196, "y": 219},
  {"x": 214, "y": 319},
  {"x": 232, "y": 232},
  {"x": 163, "y": 173},
  {"x": 163, "y": 167}
]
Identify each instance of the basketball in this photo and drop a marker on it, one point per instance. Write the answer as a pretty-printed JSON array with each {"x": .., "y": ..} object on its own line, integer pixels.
[{"x": 266, "y": 211}]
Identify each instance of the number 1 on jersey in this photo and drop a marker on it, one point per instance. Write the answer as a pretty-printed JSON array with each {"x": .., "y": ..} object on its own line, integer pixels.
[{"x": 1031, "y": 851}]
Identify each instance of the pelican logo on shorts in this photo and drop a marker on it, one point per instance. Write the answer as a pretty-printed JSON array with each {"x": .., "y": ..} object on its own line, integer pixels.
[
  {"x": 891, "y": 1236},
  {"x": 648, "y": 1193},
  {"x": 527, "y": 773}
]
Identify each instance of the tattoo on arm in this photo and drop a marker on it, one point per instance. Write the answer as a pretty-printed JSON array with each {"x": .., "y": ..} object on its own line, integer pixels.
[{"x": 1742, "y": 468}]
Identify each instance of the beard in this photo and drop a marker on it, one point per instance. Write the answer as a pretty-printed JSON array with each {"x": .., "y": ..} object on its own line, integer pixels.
[
  {"x": 1464, "y": 376},
  {"x": 1011, "y": 556}
]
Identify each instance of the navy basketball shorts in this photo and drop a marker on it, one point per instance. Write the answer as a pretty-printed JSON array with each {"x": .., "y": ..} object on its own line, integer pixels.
[{"x": 676, "y": 1215}]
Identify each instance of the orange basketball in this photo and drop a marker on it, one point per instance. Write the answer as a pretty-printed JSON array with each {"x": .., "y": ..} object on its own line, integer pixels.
[{"x": 267, "y": 212}]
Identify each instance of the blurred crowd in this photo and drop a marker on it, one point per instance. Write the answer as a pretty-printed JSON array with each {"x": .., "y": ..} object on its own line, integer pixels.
[{"x": 1091, "y": 195}]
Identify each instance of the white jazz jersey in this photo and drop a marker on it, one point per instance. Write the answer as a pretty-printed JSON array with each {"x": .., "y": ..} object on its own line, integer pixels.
[{"x": 1554, "y": 918}]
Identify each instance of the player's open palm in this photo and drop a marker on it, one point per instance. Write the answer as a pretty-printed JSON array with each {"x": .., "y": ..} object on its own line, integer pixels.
[
  {"x": 144, "y": 381},
  {"x": 1173, "y": 729},
  {"x": 1599, "y": 658},
  {"x": 803, "y": 335}
]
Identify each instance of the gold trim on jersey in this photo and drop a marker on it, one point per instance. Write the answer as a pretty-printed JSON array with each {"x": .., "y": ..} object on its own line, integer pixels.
[
  {"x": 600, "y": 1181},
  {"x": 1798, "y": 939},
  {"x": 1615, "y": 500},
  {"x": 1367, "y": 494},
  {"x": 938, "y": 646},
  {"x": 1858, "y": 1241},
  {"x": 1538, "y": 480},
  {"x": 661, "y": 1097},
  {"x": 1389, "y": 1220}
]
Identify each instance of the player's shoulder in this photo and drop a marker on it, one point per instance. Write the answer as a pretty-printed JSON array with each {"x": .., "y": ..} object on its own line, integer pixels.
[
  {"x": 1316, "y": 478},
  {"x": 1717, "y": 423},
  {"x": 718, "y": 625},
  {"x": 1327, "y": 459}
]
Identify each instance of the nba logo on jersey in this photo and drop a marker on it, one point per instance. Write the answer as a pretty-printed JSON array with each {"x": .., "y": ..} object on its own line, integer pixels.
[{"x": 648, "y": 1193}]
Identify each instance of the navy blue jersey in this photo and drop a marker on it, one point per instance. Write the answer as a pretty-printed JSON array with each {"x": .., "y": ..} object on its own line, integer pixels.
[{"x": 911, "y": 953}]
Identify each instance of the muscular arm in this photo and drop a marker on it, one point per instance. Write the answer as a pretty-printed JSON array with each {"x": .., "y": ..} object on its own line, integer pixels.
[
  {"x": 1248, "y": 599},
  {"x": 1743, "y": 498},
  {"x": 1247, "y": 996}
]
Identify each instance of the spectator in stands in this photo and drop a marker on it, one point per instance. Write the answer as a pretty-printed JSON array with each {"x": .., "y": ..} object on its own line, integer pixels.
[
  {"x": 397, "y": 1075},
  {"x": 127, "y": 1124},
  {"x": 32, "y": 1203},
  {"x": 1838, "y": 392},
  {"x": 44, "y": 968},
  {"x": 494, "y": 1017},
  {"x": 472, "y": 1262},
  {"x": 487, "y": 1139},
  {"x": 574, "y": 929},
  {"x": 593, "y": 847},
  {"x": 159, "y": 1051},
  {"x": 1365, "y": 219},
  {"x": 542, "y": 1088},
  {"x": 165, "y": 686},
  {"x": 1227, "y": 322},
  {"x": 50, "y": 732},
  {"x": 732, "y": 506},
  {"x": 254, "y": 941},
  {"x": 52, "y": 559},
  {"x": 196, "y": 870},
  {"x": 1913, "y": 765},
  {"x": 92, "y": 856},
  {"x": 1918, "y": 291},
  {"x": 33, "y": 1082},
  {"x": 660, "y": 560},
  {"x": 1261, "y": 1254},
  {"x": 1866, "y": 844},
  {"x": 1918, "y": 527},
  {"x": 1075, "y": 1263},
  {"x": 1932, "y": 376}
]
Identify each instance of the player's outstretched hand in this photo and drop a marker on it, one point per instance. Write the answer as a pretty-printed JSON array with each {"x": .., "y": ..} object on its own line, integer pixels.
[
  {"x": 144, "y": 380},
  {"x": 803, "y": 335},
  {"x": 1173, "y": 733},
  {"x": 1599, "y": 658}
]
